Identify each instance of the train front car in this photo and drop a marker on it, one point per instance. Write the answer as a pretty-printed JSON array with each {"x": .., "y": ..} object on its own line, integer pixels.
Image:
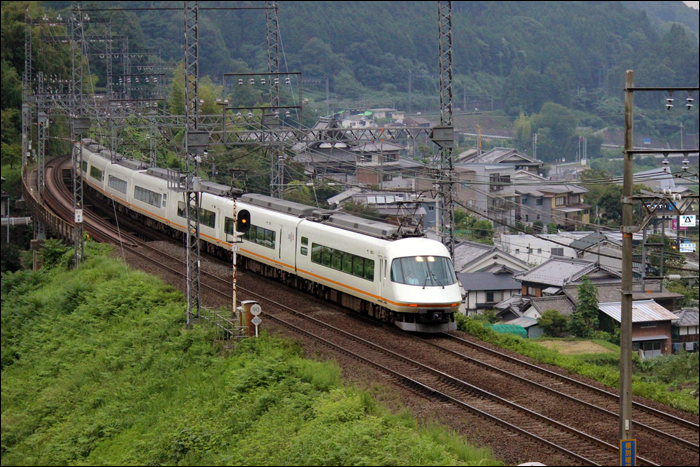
[{"x": 422, "y": 288}]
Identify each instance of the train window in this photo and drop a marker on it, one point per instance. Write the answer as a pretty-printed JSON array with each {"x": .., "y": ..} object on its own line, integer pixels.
[
  {"x": 347, "y": 263},
  {"x": 326, "y": 256},
  {"x": 369, "y": 269},
  {"x": 342, "y": 261},
  {"x": 256, "y": 234},
  {"x": 423, "y": 270},
  {"x": 207, "y": 217},
  {"x": 96, "y": 173},
  {"x": 304, "y": 251},
  {"x": 305, "y": 241},
  {"x": 358, "y": 266},
  {"x": 148, "y": 196},
  {"x": 84, "y": 166},
  {"x": 337, "y": 260},
  {"x": 117, "y": 184},
  {"x": 316, "y": 253}
]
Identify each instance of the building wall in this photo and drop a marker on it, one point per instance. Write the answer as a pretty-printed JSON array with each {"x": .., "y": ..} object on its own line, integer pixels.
[
  {"x": 517, "y": 245},
  {"x": 479, "y": 296},
  {"x": 660, "y": 328},
  {"x": 532, "y": 210}
]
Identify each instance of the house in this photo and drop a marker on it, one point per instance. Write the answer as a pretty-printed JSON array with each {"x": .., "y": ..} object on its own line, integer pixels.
[
  {"x": 512, "y": 307},
  {"x": 537, "y": 306},
  {"x": 383, "y": 113},
  {"x": 529, "y": 324},
  {"x": 550, "y": 277},
  {"x": 505, "y": 156},
  {"x": 478, "y": 257},
  {"x": 685, "y": 329},
  {"x": 487, "y": 189},
  {"x": 537, "y": 250},
  {"x": 486, "y": 289},
  {"x": 358, "y": 121},
  {"x": 651, "y": 326},
  {"x": 417, "y": 122},
  {"x": 325, "y": 153},
  {"x": 559, "y": 204},
  {"x": 610, "y": 291}
]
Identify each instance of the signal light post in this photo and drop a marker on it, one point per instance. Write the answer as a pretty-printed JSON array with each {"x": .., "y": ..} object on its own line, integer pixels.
[{"x": 240, "y": 224}]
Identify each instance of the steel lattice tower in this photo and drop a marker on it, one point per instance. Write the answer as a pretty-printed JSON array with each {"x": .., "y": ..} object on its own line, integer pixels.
[
  {"x": 446, "y": 176},
  {"x": 192, "y": 159},
  {"x": 273, "y": 119}
]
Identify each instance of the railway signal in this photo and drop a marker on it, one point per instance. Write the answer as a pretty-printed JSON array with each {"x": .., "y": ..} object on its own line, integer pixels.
[{"x": 243, "y": 221}]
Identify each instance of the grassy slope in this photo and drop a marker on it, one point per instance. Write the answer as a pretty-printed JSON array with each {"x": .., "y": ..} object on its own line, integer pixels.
[
  {"x": 97, "y": 368},
  {"x": 656, "y": 379}
]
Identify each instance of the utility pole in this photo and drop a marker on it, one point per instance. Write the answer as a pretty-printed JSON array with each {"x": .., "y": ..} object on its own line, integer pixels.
[
  {"x": 656, "y": 205},
  {"x": 409, "y": 91},
  {"x": 626, "y": 298}
]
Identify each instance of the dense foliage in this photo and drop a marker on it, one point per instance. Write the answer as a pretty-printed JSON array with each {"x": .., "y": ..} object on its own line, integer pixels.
[{"x": 98, "y": 368}]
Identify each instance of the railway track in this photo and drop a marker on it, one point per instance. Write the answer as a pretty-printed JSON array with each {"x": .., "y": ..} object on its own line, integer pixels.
[
  {"x": 648, "y": 419},
  {"x": 430, "y": 382}
]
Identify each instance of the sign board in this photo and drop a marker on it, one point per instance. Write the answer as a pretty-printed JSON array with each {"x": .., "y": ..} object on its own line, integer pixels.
[
  {"x": 443, "y": 136},
  {"x": 256, "y": 320},
  {"x": 647, "y": 141},
  {"x": 688, "y": 247},
  {"x": 628, "y": 452},
  {"x": 255, "y": 309},
  {"x": 688, "y": 220},
  {"x": 78, "y": 216}
]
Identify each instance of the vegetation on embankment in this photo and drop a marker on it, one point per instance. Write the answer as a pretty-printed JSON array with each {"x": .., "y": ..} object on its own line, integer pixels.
[
  {"x": 670, "y": 380},
  {"x": 98, "y": 368}
]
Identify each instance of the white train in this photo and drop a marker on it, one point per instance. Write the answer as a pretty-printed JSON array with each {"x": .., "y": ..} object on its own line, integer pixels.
[{"x": 361, "y": 264}]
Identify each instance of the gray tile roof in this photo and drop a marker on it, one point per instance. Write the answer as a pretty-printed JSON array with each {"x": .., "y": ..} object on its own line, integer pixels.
[
  {"x": 467, "y": 252},
  {"x": 523, "y": 321},
  {"x": 687, "y": 317},
  {"x": 560, "y": 271},
  {"x": 488, "y": 281},
  {"x": 610, "y": 292},
  {"x": 588, "y": 241},
  {"x": 558, "y": 302},
  {"x": 496, "y": 155}
]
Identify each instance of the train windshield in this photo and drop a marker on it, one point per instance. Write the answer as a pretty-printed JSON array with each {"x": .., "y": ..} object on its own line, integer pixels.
[{"x": 424, "y": 271}]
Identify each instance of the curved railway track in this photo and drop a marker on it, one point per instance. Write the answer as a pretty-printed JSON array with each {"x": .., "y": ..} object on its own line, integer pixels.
[
  {"x": 649, "y": 419},
  {"x": 419, "y": 377}
]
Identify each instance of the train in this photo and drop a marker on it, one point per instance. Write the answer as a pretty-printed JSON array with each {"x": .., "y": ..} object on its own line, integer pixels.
[{"x": 368, "y": 266}]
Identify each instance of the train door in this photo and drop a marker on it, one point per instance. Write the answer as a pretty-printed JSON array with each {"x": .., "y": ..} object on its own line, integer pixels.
[
  {"x": 384, "y": 279},
  {"x": 287, "y": 245}
]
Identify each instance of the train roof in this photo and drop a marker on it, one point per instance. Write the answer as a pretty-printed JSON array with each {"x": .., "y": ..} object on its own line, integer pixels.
[{"x": 337, "y": 219}]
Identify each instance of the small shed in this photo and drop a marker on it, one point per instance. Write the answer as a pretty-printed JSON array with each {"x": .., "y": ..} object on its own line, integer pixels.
[
  {"x": 529, "y": 324},
  {"x": 508, "y": 329}
]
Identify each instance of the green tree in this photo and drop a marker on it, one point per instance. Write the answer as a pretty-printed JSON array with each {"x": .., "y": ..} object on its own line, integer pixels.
[
  {"x": 552, "y": 322},
  {"x": 584, "y": 321},
  {"x": 482, "y": 232}
]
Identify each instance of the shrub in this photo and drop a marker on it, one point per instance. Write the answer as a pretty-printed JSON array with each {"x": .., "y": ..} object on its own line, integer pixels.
[{"x": 552, "y": 322}]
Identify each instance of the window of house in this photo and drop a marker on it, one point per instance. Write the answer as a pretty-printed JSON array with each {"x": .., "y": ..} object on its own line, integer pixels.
[
  {"x": 527, "y": 218},
  {"x": 538, "y": 202},
  {"x": 489, "y": 297},
  {"x": 560, "y": 201},
  {"x": 647, "y": 325},
  {"x": 557, "y": 251},
  {"x": 539, "y": 251},
  {"x": 517, "y": 251}
]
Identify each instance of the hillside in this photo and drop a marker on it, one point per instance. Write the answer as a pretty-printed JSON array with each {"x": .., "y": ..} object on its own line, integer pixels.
[{"x": 98, "y": 369}]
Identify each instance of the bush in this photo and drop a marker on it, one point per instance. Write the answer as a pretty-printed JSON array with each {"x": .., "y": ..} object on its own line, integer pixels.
[{"x": 552, "y": 322}]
